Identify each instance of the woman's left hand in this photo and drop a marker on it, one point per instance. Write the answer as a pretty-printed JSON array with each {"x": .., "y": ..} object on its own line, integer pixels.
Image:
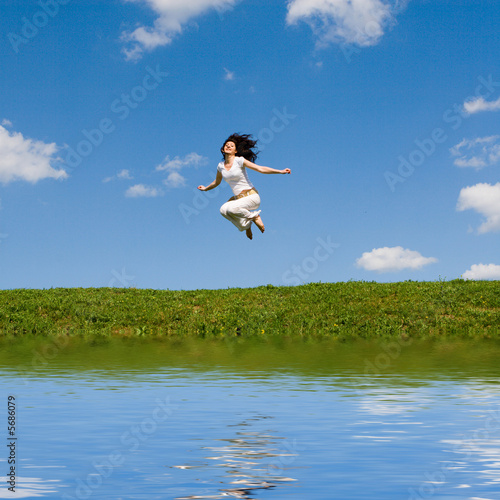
[{"x": 286, "y": 171}]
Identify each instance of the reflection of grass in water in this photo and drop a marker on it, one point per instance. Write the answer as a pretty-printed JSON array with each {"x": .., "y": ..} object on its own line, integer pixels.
[
  {"x": 344, "y": 363},
  {"x": 314, "y": 311}
]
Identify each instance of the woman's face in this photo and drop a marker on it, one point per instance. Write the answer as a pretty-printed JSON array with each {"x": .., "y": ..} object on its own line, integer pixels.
[{"x": 230, "y": 147}]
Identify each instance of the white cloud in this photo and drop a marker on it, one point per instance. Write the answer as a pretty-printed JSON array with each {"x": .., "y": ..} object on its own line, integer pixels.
[
  {"x": 140, "y": 190},
  {"x": 123, "y": 174},
  {"x": 479, "y": 104},
  {"x": 392, "y": 260},
  {"x": 175, "y": 165},
  {"x": 484, "y": 199},
  {"x": 482, "y": 272},
  {"x": 483, "y": 151},
  {"x": 174, "y": 180},
  {"x": 6, "y": 123},
  {"x": 172, "y": 168},
  {"x": 229, "y": 76},
  {"x": 359, "y": 22},
  {"x": 26, "y": 159},
  {"x": 173, "y": 15},
  {"x": 178, "y": 163}
]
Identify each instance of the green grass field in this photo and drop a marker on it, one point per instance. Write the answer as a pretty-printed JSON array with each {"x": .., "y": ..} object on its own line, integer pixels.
[{"x": 318, "y": 310}]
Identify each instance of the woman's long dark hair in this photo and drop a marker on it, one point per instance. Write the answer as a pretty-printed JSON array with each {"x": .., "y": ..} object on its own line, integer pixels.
[{"x": 245, "y": 146}]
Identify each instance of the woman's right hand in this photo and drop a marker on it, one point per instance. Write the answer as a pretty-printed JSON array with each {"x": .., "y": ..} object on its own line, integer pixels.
[{"x": 202, "y": 188}]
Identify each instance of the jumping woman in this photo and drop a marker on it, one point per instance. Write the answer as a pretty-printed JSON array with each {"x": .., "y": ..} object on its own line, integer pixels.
[{"x": 241, "y": 209}]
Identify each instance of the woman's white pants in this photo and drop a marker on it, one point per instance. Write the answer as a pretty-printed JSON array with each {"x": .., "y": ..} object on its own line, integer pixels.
[{"x": 242, "y": 212}]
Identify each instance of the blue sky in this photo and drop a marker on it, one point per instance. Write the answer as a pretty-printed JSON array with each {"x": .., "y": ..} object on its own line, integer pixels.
[{"x": 112, "y": 112}]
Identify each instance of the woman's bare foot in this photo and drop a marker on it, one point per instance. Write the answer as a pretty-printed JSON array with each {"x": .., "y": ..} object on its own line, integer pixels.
[
  {"x": 249, "y": 233},
  {"x": 259, "y": 223}
]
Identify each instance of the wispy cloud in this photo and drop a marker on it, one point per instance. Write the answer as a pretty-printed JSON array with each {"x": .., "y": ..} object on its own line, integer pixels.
[
  {"x": 482, "y": 272},
  {"x": 122, "y": 174},
  {"x": 26, "y": 159},
  {"x": 229, "y": 75},
  {"x": 484, "y": 199},
  {"x": 386, "y": 259},
  {"x": 482, "y": 152},
  {"x": 173, "y": 16},
  {"x": 174, "y": 180},
  {"x": 173, "y": 167},
  {"x": 357, "y": 22},
  {"x": 480, "y": 104},
  {"x": 142, "y": 191}
]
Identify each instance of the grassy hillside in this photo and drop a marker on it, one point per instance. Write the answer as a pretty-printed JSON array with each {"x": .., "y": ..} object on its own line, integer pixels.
[{"x": 337, "y": 310}]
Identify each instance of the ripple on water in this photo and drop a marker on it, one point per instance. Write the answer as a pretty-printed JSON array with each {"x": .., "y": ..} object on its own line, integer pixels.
[{"x": 248, "y": 462}]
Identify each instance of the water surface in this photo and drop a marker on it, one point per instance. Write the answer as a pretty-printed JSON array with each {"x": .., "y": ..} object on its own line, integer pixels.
[{"x": 265, "y": 420}]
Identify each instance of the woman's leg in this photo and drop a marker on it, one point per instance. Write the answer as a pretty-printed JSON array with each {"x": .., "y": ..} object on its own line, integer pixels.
[
  {"x": 242, "y": 212},
  {"x": 259, "y": 223}
]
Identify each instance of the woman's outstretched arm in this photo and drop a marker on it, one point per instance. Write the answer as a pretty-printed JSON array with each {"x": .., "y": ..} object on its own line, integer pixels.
[
  {"x": 213, "y": 184},
  {"x": 264, "y": 170}
]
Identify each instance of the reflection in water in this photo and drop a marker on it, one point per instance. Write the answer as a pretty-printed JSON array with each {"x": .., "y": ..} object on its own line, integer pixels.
[
  {"x": 29, "y": 487},
  {"x": 252, "y": 461},
  {"x": 482, "y": 459},
  {"x": 398, "y": 402},
  {"x": 427, "y": 429}
]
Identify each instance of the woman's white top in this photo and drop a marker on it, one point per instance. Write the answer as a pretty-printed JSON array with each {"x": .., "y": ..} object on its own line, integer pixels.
[{"x": 236, "y": 176}]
